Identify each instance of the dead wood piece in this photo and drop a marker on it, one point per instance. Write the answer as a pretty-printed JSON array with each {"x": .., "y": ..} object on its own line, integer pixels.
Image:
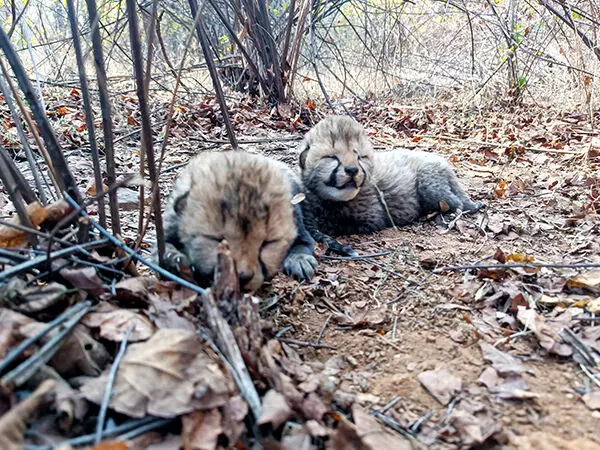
[{"x": 221, "y": 330}]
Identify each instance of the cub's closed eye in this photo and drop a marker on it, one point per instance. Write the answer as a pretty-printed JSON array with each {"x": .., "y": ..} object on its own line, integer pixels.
[
  {"x": 330, "y": 157},
  {"x": 363, "y": 157},
  {"x": 213, "y": 238}
]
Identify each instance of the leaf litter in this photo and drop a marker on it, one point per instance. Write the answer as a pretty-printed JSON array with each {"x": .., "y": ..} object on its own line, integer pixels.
[{"x": 510, "y": 338}]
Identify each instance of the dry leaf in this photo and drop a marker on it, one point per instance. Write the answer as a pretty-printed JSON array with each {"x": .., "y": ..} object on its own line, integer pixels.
[
  {"x": 275, "y": 409},
  {"x": 85, "y": 278},
  {"x": 441, "y": 384},
  {"x": 504, "y": 363},
  {"x": 590, "y": 281},
  {"x": 373, "y": 435},
  {"x": 14, "y": 422},
  {"x": 201, "y": 430},
  {"x": 31, "y": 299},
  {"x": 547, "y": 332},
  {"x": 173, "y": 373},
  {"x": 114, "y": 323},
  {"x": 12, "y": 237}
]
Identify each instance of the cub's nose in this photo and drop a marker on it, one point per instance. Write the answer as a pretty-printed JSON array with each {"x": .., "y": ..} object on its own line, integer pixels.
[
  {"x": 351, "y": 170},
  {"x": 245, "y": 278}
]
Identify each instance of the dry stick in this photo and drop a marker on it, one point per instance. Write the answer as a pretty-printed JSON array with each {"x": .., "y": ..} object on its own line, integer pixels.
[
  {"x": 168, "y": 125},
  {"x": 23, "y": 138},
  {"x": 322, "y": 332},
  {"x": 89, "y": 438},
  {"x": 22, "y": 185},
  {"x": 313, "y": 51},
  {"x": 213, "y": 72},
  {"x": 297, "y": 44},
  {"x": 288, "y": 36},
  {"x": 34, "y": 262},
  {"x": 356, "y": 258},
  {"x": 112, "y": 375},
  {"x": 65, "y": 178},
  {"x": 24, "y": 371},
  {"x": 31, "y": 127},
  {"x": 149, "y": 55},
  {"x": 306, "y": 343},
  {"x": 511, "y": 266},
  {"x": 247, "y": 141},
  {"x": 87, "y": 107},
  {"x": 147, "y": 146},
  {"x": 133, "y": 254},
  {"x": 16, "y": 197},
  {"x": 107, "y": 123},
  {"x": 241, "y": 47},
  {"x": 16, "y": 352},
  {"x": 227, "y": 345},
  {"x": 495, "y": 144}
]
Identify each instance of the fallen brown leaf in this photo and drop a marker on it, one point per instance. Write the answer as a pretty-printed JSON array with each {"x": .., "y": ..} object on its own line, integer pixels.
[
  {"x": 114, "y": 323},
  {"x": 84, "y": 278},
  {"x": 12, "y": 237},
  {"x": 547, "y": 332},
  {"x": 173, "y": 373},
  {"x": 590, "y": 281},
  {"x": 275, "y": 409},
  {"x": 441, "y": 384},
  {"x": 201, "y": 430},
  {"x": 504, "y": 363}
]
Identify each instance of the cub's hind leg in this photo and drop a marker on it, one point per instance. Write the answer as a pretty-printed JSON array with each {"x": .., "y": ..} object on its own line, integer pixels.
[
  {"x": 467, "y": 204},
  {"x": 434, "y": 187}
]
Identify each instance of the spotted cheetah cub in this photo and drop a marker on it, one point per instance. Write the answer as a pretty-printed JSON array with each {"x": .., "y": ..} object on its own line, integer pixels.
[
  {"x": 247, "y": 200},
  {"x": 353, "y": 190}
]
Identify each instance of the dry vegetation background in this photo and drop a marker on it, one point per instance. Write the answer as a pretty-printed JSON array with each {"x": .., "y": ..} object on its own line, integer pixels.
[{"x": 479, "y": 335}]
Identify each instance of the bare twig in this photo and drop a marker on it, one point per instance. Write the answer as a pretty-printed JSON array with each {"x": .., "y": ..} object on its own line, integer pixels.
[
  {"x": 112, "y": 375},
  {"x": 107, "y": 123},
  {"x": 148, "y": 149},
  {"x": 17, "y": 351},
  {"x": 356, "y": 258},
  {"x": 318, "y": 341},
  {"x": 65, "y": 178},
  {"x": 213, "y": 72},
  {"x": 24, "y": 371},
  {"x": 515, "y": 265},
  {"x": 306, "y": 343}
]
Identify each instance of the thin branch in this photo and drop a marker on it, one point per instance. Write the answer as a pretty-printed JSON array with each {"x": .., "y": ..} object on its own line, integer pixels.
[
  {"x": 87, "y": 107},
  {"x": 65, "y": 178},
  {"x": 147, "y": 145},
  {"x": 107, "y": 123}
]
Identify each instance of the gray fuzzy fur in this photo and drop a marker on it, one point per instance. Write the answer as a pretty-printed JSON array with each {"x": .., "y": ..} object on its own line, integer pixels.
[{"x": 412, "y": 183}]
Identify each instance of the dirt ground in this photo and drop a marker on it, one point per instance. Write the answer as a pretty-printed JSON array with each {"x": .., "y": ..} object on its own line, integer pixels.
[{"x": 393, "y": 317}]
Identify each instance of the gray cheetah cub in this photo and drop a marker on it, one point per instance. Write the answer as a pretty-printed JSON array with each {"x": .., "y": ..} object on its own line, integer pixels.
[
  {"x": 247, "y": 200},
  {"x": 346, "y": 181}
]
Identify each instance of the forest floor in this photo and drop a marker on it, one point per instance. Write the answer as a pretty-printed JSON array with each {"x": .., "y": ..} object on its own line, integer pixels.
[{"x": 462, "y": 358}]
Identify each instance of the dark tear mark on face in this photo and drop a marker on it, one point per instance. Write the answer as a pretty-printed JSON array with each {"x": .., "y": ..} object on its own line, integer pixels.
[
  {"x": 181, "y": 203},
  {"x": 303, "y": 156},
  {"x": 245, "y": 225}
]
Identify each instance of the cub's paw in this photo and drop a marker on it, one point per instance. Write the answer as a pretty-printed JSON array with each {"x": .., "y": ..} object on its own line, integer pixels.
[
  {"x": 177, "y": 263},
  {"x": 473, "y": 207},
  {"x": 339, "y": 248},
  {"x": 300, "y": 266}
]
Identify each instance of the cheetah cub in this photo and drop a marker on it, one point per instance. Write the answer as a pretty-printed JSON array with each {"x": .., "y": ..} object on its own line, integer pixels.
[
  {"x": 350, "y": 189},
  {"x": 247, "y": 200}
]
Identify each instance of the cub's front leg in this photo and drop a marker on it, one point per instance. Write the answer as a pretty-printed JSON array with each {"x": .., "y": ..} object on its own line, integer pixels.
[{"x": 300, "y": 262}]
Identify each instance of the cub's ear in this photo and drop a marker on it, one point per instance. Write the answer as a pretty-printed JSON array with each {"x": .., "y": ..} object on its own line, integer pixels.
[{"x": 303, "y": 148}]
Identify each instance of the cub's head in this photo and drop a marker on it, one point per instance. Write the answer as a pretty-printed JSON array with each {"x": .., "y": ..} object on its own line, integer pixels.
[
  {"x": 336, "y": 158},
  {"x": 244, "y": 199}
]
